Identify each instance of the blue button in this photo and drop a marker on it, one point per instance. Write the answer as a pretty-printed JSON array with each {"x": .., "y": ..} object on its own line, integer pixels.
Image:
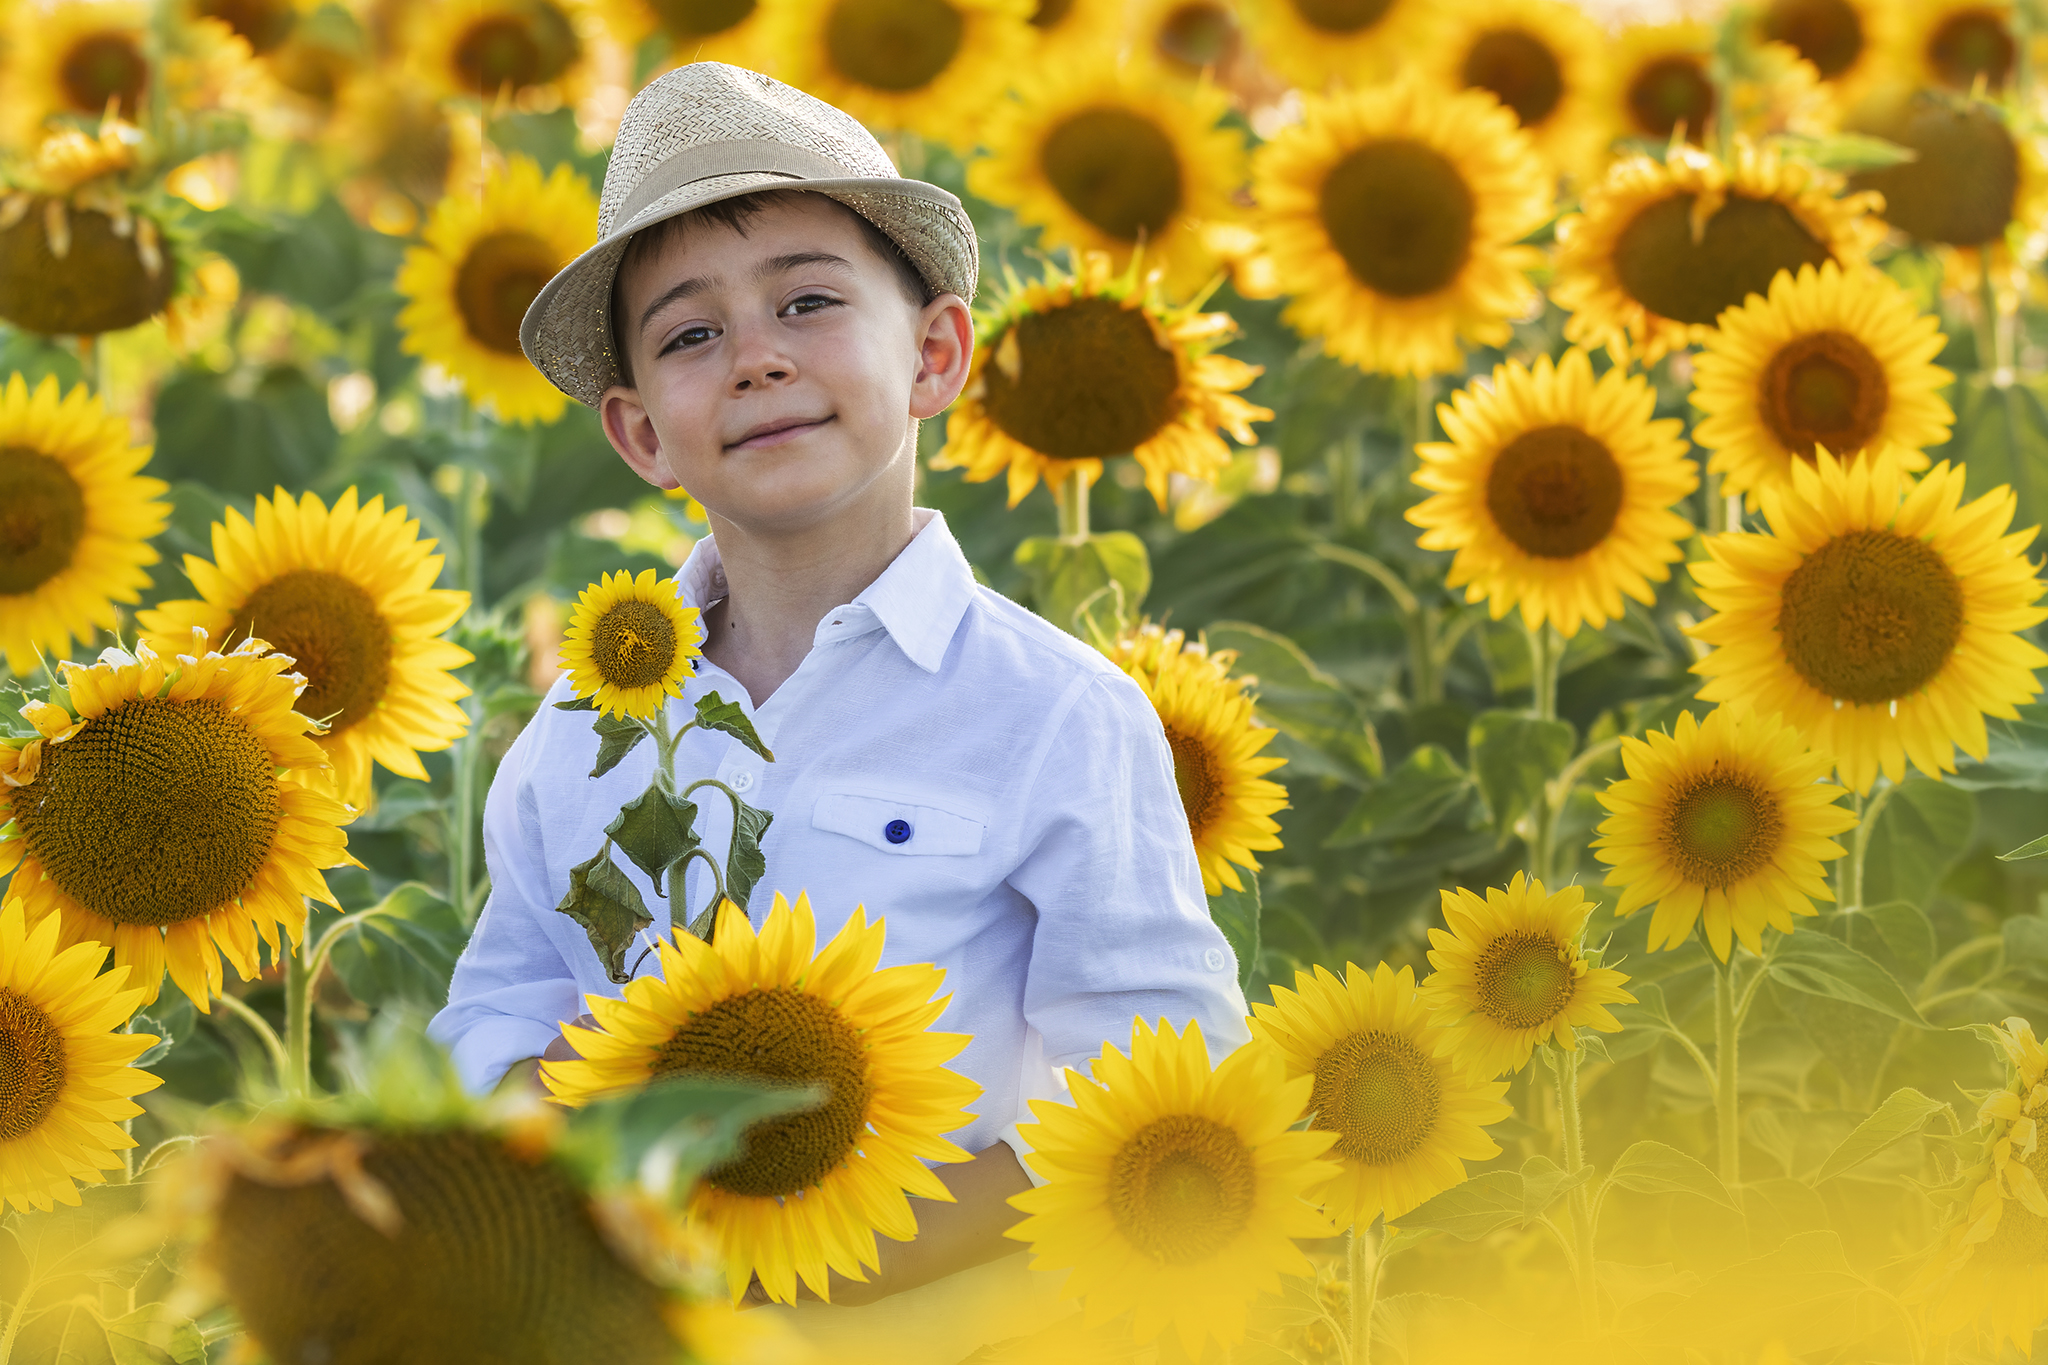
[{"x": 897, "y": 831}]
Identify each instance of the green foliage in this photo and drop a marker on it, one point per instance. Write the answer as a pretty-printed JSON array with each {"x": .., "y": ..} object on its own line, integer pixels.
[
  {"x": 609, "y": 908},
  {"x": 1066, "y": 572},
  {"x": 727, "y": 717},
  {"x": 656, "y": 830},
  {"x": 1237, "y": 914},
  {"x": 1513, "y": 756},
  {"x": 402, "y": 950}
]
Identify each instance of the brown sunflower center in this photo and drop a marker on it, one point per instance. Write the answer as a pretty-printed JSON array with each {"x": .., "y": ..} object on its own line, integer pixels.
[
  {"x": 1379, "y": 1093},
  {"x": 1962, "y": 187},
  {"x": 156, "y": 812},
  {"x": 42, "y": 519},
  {"x": 1744, "y": 246},
  {"x": 1182, "y": 1188},
  {"x": 1555, "y": 492},
  {"x": 2021, "y": 1237},
  {"x": 1722, "y": 827},
  {"x": 1828, "y": 33},
  {"x": 1197, "y": 37},
  {"x": 684, "y": 20},
  {"x": 1524, "y": 980},
  {"x": 1090, "y": 380},
  {"x": 1400, "y": 215},
  {"x": 264, "y": 23},
  {"x": 1871, "y": 616},
  {"x": 334, "y": 633},
  {"x": 787, "y": 1036},
  {"x": 1199, "y": 777},
  {"x": 101, "y": 283},
  {"x": 495, "y": 1260},
  {"x": 412, "y": 146},
  {"x": 1051, "y": 13},
  {"x": 1667, "y": 92},
  {"x": 529, "y": 46},
  {"x": 312, "y": 69},
  {"x": 1115, "y": 168},
  {"x": 32, "y": 1066},
  {"x": 1342, "y": 16},
  {"x": 104, "y": 66},
  {"x": 893, "y": 45},
  {"x": 1519, "y": 69},
  {"x": 1969, "y": 44},
  {"x": 1823, "y": 389},
  {"x": 499, "y": 277},
  {"x": 633, "y": 644}
]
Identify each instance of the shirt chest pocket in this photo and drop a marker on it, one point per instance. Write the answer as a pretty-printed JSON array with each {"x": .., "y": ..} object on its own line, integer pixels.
[{"x": 904, "y": 828}]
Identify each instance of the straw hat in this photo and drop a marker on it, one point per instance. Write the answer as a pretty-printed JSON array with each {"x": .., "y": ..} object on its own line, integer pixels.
[{"x": 707, "y": 132}]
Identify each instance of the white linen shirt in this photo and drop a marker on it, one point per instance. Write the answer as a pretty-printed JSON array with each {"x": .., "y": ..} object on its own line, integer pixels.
[{"x": 1048, "y": 868}]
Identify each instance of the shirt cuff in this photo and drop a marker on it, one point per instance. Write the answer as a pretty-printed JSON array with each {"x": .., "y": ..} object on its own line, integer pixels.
[{"x": 488, "y": 1048}]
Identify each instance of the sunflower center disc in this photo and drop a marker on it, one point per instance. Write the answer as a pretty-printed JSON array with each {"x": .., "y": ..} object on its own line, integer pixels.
[
  {"x": 1342, "y": 16},
  {"x": 1519, "y": 69},
  {"x": 499, "y": 277},
  {"x": 633, "y": 645},
  {"x": 156, "y": 812},
  {"x": 263, "y": 24},
  {"x": 683, "y": 20},
  {"x": 31, "y": 1066},
  {"x": 1828, "y": 33},
  {"x": 1962, "y": 188},
  {"x": 1825, "y": 389},
  {"x": 894, "y": 45},
  {"x": 1379, "y": 1093},
  {"x": 1115, "y": 168},
  {"x": 1524, "y": 980},
  {"x": 99, "y": 285},
  {"x": 531, "y": 47},
  {"x": 101, "y": 67},
  {"x": 2021, "y": 1237},
  {"x": 1051, "y": 13},
  {"x": 1091, "y": 380},
  {"x": 42, "y": 518},
  {"x": 1555, "y": 492},
  {"x": 1721, "y": 828},
  {"x": 497, "y": 1261},
  {"x": 1667, "y": 92},
  {"x": 1195, "y": 772},
  {"x": 416, "y": 150},
  {"x": 788, "y": 1036},
  {"x": 1181, "y": 1188},
  {"x": 335, "y": 635},
  {"x": 1198, "y": 37},
  {"x": 1871, "y": 616},
  {"x": 1970, "y": 44},
  {"x": 1401, "y": 217},
  {"x": 1744, "y": 246}
]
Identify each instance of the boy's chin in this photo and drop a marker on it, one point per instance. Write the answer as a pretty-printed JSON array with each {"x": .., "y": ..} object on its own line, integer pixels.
[{"x": 795, "y": 500}]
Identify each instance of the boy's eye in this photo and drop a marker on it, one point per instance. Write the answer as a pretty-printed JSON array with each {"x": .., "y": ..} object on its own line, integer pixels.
[
  {"x": 809, "y": 303},
  {"x": 689, "y": 337}
]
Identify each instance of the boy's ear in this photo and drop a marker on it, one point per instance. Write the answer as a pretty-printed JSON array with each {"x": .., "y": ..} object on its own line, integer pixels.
[
  {"x": 627, "y": 427},
  {"x": 945, "y": 351}
]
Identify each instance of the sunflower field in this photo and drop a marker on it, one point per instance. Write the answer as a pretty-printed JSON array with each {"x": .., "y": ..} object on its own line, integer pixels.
[{"x": 1566, "y": 477}]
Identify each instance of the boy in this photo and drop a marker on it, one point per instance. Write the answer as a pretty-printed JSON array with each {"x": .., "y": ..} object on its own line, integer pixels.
[{"x": 766, "y": 317}]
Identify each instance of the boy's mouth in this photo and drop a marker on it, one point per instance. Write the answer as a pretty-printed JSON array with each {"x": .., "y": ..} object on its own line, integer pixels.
[{"x": 774, "y": 433}]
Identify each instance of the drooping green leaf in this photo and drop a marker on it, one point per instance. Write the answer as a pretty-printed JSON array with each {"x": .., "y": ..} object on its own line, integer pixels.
[
  {"x": 617, "y": 736},
  {"x": 1489, "y": 1200},
  {"x": 1642, "y": 1023},
  {"x": 2037, "y": 848},
  {"x": 1409, "y": 800},
  {"x": 1513, "y": 756},
  {"x": 1657, "y": 1168},
  {"x": 1903, "y": 929},
  {"x": 1821, "y": 964},
  {"x": 746, "y": 864},
  {"x": 1848, "y": 152},
  {"x": 1904, "y": 1113},
  {"x": 1236, "y": 913},
  {"x": 402, "y": 950},
  {"x": 1921, "y": 831},
  {"x": 1322, "y": 727},
  {"x": 608, "y": 906},
  {"x": 716, "y": 713},
  {"x": 1065, "y": 573},
  {"x": 667, "y": 1133},
  {"x": 577, "y": 704},
  {"x": 1544, "y": 1182},
  {"x": 656, "y": 831}
]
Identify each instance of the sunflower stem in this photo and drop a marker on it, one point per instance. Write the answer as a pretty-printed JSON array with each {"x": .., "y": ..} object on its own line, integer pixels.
[
  {"x": 280, "y": 1052},
  {"x": 1859, "y": 845},
  {"x": 1072, "y": 499},
  {"x": 15, "y": 1314},
  {"x": 1726, "y": 1029},
  {"x": 1362, "y": 1268},
  {"x": 1564, "y": 1067},
  {"x": 1546, "y": 653}
]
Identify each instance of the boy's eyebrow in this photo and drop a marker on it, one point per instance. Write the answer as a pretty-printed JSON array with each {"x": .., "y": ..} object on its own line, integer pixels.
[{"x": 774, "y": 265}]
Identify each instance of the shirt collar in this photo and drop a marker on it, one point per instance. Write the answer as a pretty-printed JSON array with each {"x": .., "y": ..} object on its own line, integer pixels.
[{"x": 919, "y": 599}]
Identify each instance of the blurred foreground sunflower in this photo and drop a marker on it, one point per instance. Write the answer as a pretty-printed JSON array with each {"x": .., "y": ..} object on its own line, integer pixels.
[
  {"x": 1845, "y": 41},
  {"x": 1660, "y": 83},
  {"x": 813, "y": 1188},
  {"x": 1724, "y": 823},
  {"x": 1978, "y": 179},
  {"x": 157, "y": 811},
  {"x": 631, "y": 643},
  {"x": 527, "y": 52},
  {"x": 691, "y": 30},
  {"x": 1183, "y": 40},
  {"x": 1320, "y": 43},
  {"x": 348, "y": 595},
  {"x": 1556, "y": 490},
  {"x": 1879, "y": 616},
  {"x": 1953, "y": 44},
  {"x": 76, "y": 519},
  {"x": 1540, "y": 58},
  {"x": 396, "y": 149},
  {"x": 74, "y": 58}
]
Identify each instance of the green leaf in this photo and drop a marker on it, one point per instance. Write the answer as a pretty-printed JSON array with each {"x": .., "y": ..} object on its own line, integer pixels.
[
  {"x": 1513, "y": 756},
  {"x": 1544, "y": 1182},
  {"x": 2026, "y": 944},
  {"x": 617, "y": 736},
  {"x": 2036, "y": 849},
  {"x": 666, "y": 1133},
  {"x": 2017, "y": 755},
  {"x": 151, "y": 1334},
  {"x": 1820, "y": 964},
  {"x": 746, "y": 864},
  {"x": 1847, "y": 151},
  {"x": 1853, "y": 1040},
  {"x": 1236, "y": 913},
  {"x": 1409, "y": 800},
  {"x": 1655, "y": 1168},
  {"x": 402, "y": 950},
  {"x": 1907, "y": 934},
  {"x": 1323, "y": 729},
  {"x": 1922, "y": 830},
  {"x": 577, "y": 704},
  {"x": 727, "y": 717},
  {"x": 1642, "y": 1023},
  {"x": 656, "y": 831},
  {"x": 609, "y": 908},
  {"x": 1904, "y": 1112},
  {"x": 1489, "y": 1200},
  {"x": 1065, "y": 573}
]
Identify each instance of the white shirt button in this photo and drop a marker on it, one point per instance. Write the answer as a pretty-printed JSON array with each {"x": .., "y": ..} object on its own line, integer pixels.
[
  {"x": 1216, "y": 959},
  {"x": 741, "y": 782}
]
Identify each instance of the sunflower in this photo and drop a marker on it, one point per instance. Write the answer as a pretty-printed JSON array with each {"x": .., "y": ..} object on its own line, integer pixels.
[
  {"x": 527, "y": 51},
  {"x": 1183, "y": 40},
  {"x": 1661, "y": 249},
  {"x": 1101, "y": 161},
  {"x": 77, "y": 58},
  {"x": 1080, "y": 31},
  {"x": 482, "y": 262},
  {"x": 1555, "y": 490},
  {"x": 929, "y": 66},
  {"x": 346, "y": 594},
  {"x": 265, "y": 25},
  {"x": 631, "y": 643},
  {"x": 1978, "y": 177},
  {"x": 1391, "y": 216},
  {"x": 813, "y": 1188},
  {"x": 1072, "y": 369},
  {"x": 1215, "y": 739},
  {"x": 76, "y": 518},
  {"x": 1724, "y": 822},
  {"x": 1173, "y": 1192},
  {"x": 1511, "y": 973},
  {"x": 1408, "y": 1105},
  {"x": 397, "y": 150},
  {"x": 154, "y": 813},
  {"x": 1541, "y": 58},
  {"x": 1878, "y": 616},
  {"x": 1952, "y": 44},
  {"x": 1320, "y": 43},
  {"x": 1845, "y": 41},
  {"x": 691, "y": 30},
  {"x": 68, "y": 1075},
  {"x": 1660, "y": 82},
  {"x": 1831, "y": 359}
]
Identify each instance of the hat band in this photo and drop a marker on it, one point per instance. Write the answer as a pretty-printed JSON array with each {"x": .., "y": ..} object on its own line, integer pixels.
[{"x": 736, "y": 157}]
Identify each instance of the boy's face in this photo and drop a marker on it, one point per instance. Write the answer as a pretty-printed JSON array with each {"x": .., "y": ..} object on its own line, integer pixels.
[{"x": 777, "y": 371}]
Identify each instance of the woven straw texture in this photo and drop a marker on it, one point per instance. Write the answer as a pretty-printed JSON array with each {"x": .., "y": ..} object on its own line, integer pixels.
[{"x": 682, "y": 126}]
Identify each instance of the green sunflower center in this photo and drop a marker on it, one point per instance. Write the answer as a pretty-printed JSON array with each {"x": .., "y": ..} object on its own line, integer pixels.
[
  {"x": 1828, "y": 33},
  {"x": 412, "y": 147},
  {"x": 100, "y": 67},
  {"x": 787, "y": 1036},
  {"x": 1198, "y": 37},
  {"x": 1721, "y": 828},
  {"x": 633, "y": 644},
  {"x": 1524, "y": 980},
  {"x": 156, "y": 812},
  {"x": 1199, "y": 777},
  {"x": 263, "y": 23},
  {"x": 1090, "y": 379},
  {"x": 42, "y": 519},
  {"x": 1519, "y": 69},
  {"x": 1400, "y": 215},
  {"x": 527, "y": 47},
  {"x": 1555, "y": 492},
  {"x": 312, "y": 68},
  {"x": 2021, "y": 1237},
  {"x": 1871, "y": 616},
  {"x": 684, "y": 20},
  {"x": 499, "y": 277},
  {"x": 496, "y": 1260},
  {"x": 1670, "y": 91},
  {"x": 1117, "y": 169},
  {"x": 1970, "y": 44},
  {"x": 32, "y": 1068},
  {"x": 335, "y": 635},
  {"x": 100, "y": 283},
  {"x": 1824, "y": 389},
  {"x": 1342, "y": 16},
  {"x": 1051, "y": 13},
  {"x": 1182, "y": 1188},
  {"x": 1743, "y": 248},
  {"x": 1379, "y": 1093},
  {"x": 1964, "y": 184},
  {"x": 893, "y": 45}
]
